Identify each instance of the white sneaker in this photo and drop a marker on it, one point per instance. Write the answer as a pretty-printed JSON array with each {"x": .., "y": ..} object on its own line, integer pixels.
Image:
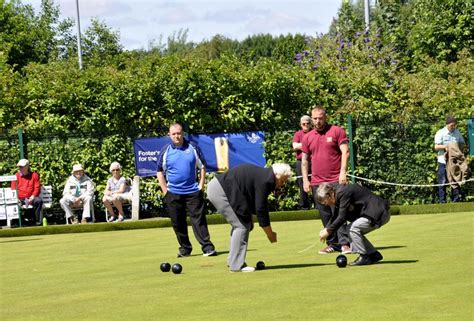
[
  {"x": 245, "y": 269},
  {"x": 248, "y": 269}
]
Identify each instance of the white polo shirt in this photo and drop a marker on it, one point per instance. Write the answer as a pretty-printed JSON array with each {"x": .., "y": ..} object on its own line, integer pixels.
[{"x": 445, "y": 137}]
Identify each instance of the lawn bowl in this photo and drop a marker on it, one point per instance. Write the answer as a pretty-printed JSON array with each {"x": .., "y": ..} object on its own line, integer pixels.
[
  {"x": 260, "y": 265},
  {"x": 341, "y": 261},
  {"x": 177, "y": 268},
  {"x": 165, "y": 267}
]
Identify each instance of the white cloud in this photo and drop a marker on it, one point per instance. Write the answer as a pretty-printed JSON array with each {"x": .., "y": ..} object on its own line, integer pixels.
[
  {"x": 231, "y": 15},
  {"x": 177, "y": 16},
  {"x": 280, "y": 23},
  {"x": 140, "y": 21}
]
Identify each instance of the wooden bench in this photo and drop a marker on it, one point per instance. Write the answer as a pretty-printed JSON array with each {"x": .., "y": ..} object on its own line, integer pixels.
[{"x": 9, "y": 209}]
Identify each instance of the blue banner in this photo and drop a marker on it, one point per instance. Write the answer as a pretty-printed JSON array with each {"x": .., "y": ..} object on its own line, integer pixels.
[{"x": 221, "y": 151}]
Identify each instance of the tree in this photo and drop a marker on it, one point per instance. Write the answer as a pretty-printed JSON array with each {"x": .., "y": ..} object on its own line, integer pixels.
[
  {"x": 26, "y": 37},
  {"x": 100, "y": 43},
  {"x": 349, "y": 21},
  {"x": 441, "y": 28}
]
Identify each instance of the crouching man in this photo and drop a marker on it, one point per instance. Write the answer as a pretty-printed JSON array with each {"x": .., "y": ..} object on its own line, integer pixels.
[{"x": 358, "y": 205}]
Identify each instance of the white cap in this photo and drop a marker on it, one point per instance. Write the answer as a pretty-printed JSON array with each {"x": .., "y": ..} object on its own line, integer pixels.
[
  {"x": 23, "y": 162},
  {"x": 77, "y": 167}
]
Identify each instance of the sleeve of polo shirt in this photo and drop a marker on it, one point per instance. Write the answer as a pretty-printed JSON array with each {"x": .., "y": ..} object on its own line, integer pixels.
[
  {"x": 342, "y": 137},
  {"x": 304, "y": 144},
  {"x": 438, "y": 138},
  {"x": 159, "y": 167},
  {"x": 201, "y": 161}
]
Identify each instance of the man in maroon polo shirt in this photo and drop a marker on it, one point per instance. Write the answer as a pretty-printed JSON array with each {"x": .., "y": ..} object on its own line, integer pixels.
[
  {"x": 306, "y": 125},
  {"x": 326, "y": 147}
]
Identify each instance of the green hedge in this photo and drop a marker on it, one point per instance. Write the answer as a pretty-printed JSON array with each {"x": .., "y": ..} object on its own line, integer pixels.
[
  {"x": 432, "y": 208},
  {"x": 219, "y": 219}
]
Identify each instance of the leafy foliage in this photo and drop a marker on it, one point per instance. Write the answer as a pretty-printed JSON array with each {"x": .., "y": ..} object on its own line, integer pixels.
[{"x": 398, "y": 80}]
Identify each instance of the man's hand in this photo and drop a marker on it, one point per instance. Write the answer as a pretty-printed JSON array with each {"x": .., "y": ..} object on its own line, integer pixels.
[
  {"x": 272, "y": 237},
  {"x": 307, "y": 186},
  {"x": 343, "y": 178},
  {"x": 323, "y": 235}
]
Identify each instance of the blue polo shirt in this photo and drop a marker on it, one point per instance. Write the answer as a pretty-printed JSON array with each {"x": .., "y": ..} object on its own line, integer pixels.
[{"x": 180, "y": 165}]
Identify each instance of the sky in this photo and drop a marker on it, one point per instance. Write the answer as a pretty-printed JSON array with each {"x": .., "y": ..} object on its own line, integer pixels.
[{"x": 141, "y": 22}]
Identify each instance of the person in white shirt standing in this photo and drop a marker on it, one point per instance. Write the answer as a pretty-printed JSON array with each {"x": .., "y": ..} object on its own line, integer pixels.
[{"x": 445, "y": 136}]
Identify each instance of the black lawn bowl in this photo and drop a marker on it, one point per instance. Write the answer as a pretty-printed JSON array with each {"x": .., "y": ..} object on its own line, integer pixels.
[
  {"x": 341, "y": 261},
  {"x": 260, "y": 265},
  {"x": 177, "y": 268},
  {"x": 165, "y": 267}
]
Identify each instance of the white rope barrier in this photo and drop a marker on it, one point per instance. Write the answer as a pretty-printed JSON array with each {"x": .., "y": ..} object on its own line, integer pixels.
[
  {"x": 405, "y": 185},
  {"x": 410, "y": 185},
  {"x": 154, "y": 182}
]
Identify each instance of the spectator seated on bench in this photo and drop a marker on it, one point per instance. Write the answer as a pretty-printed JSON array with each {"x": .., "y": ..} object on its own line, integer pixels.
[
  {"x": 78, "y": 193},
  {"x": 29, "y": 188},
  {"x": 117, "y": 193},
  {"x": 46, "y": 196}
]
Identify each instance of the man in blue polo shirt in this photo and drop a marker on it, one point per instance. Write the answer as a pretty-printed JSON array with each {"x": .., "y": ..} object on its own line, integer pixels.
[
  {"x": 178, "y": 164},
  {"x": 445, "y": 136}
]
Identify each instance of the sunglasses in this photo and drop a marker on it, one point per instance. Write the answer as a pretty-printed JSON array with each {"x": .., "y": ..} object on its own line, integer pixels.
[
  {"x": 307, "y": 124},
  {"x": 116, "y": 170}
]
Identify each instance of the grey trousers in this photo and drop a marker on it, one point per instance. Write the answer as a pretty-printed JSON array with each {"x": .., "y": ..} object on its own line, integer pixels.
[
  {"x": 357, "y": 230},
  {"x": 239, "y": 234},
  {"x": 67, "y": 201}
]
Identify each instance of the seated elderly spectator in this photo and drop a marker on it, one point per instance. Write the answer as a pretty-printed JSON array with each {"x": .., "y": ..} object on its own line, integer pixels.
[
  {"x": 78, "y": 191},
  {"x": 29, "y": 188},
  {"x": 117, "y": 192}
]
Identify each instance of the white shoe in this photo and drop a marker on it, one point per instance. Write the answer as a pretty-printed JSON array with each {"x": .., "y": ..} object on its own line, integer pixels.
[
  {"x": 248, "y": 269},
  {"x": 245, "y": 269}
]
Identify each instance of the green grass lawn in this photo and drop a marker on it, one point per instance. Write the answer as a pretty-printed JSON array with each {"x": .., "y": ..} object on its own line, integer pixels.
[{"x": 426, "y": 274}]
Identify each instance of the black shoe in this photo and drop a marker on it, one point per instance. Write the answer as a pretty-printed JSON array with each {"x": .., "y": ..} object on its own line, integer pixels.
[
  {"x": 363, "y": 259},
  {"x": 183, "y": 254},
  {"x": 375, "y": 257}
]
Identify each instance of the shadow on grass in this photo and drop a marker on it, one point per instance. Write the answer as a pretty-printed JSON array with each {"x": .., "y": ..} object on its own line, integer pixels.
[
  {"x": 14, "y": 241},
  {"x": 398, "y": 262},
  {"x": 218, "y": 253},
  {"x": 390, "y": 247},
  {"x": 295, "y": 266}
]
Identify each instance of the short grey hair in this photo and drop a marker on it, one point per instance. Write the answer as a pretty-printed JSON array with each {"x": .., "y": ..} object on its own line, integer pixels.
[
  {"x": 324, "y": 191},
  {"x": 115, "y": 165},
  {"x": 305, "y": 118},
  {"x": 282, "y": 169}
]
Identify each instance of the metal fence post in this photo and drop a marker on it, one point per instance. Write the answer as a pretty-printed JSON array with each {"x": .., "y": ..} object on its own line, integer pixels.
[
  {"x": 350, "y": 129},
  {"x": 20, "y": 142}
]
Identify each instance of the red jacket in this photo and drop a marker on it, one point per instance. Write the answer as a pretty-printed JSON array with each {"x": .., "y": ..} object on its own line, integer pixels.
[{"x": 27, "y": 185}]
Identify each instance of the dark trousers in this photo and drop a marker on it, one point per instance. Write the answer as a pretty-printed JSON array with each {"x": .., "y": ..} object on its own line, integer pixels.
[
  {"x": 305, "y": 201},
  {"x": 194, "y": 203},
  {"x": 37, "y": 206},
  {"x": 341, "y": 236},
  {"x": 443, "y": 179}
]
